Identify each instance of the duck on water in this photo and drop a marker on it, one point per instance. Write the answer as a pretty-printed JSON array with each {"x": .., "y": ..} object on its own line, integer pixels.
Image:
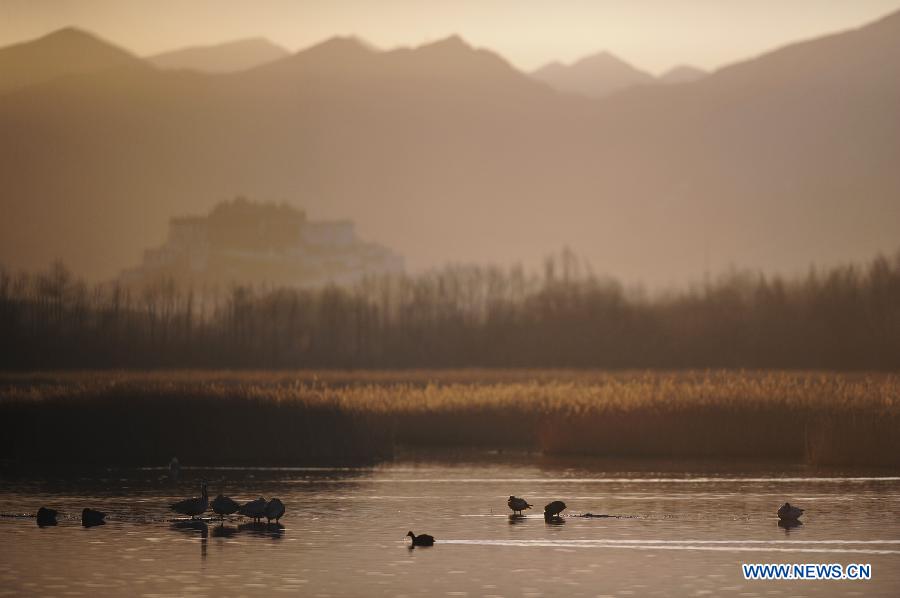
[
  {"x": 788, "y": 512},
  {"x": 421, "y": 539}
]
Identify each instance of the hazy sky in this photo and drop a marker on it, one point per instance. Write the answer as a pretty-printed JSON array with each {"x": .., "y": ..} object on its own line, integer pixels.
[{"x": 651, "y": 34}]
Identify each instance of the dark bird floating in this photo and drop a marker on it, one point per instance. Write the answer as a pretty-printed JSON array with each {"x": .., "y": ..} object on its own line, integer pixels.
[
  {"x": 421, "y": 539},
  {"x": 274, "y": 510},
  {"x": 517, "y": 505},
  {"x": 255, "y": 509},
  {"x": 91, "y": 517},
  {"x": 224, "y": 505},
  {"x": 193, "y": 506},
  {"x": 787, "y": 512},
  {"x": 554, "y": 509},
  {"x": 46, "y": 516}
]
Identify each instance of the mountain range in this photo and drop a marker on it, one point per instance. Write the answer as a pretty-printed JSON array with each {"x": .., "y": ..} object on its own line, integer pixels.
[
  {"x": 601, "y": 74},
  {"x": 447, "y": 153},
  {"x": 221, "y": 58}
]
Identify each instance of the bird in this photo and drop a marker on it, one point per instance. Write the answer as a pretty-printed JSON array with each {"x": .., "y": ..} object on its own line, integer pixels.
[
  {"x": 274, "y": 510},
  {"x": 224, "y": 505},
  {"x": 255, "y": 509},
  {"x": 554, "y": 509},
  {"x": 91, "y": 517},
  {"x": 193, "y": 506},
  {"x": 174, "y": 469},
  {"x": 789, "y": 513},
  {"x": 518, "y": 504},
  {"x": 421, "y": 539},
  {"x": 46, "y": 516}
]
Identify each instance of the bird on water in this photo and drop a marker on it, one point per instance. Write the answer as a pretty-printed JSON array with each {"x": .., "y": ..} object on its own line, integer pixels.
[
  {"x": 91, "y": 517},
  {"x": 46, "y": 516},
  {"x": 174, "y": 469},
  {"x": 788, "y": 512},
  {"x": 274, "y": 510},
  {"x": 193, "y": 506},
  {"x": 224, "y": 505},
  {"x": 255, "y": 509},
  {"x": 554, "y": 509},
  {"x": 517, "y": 505},
  {"x": 421, "y": 539}
]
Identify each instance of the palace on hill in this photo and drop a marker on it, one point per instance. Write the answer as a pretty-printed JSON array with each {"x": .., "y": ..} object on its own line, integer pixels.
[{"x": 246, "y": 242}]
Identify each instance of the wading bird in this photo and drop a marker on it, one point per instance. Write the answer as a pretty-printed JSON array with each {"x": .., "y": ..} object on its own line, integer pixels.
[
  {"x": 789, "y": 513},
  {"x": 255, "y": 509},
  {"x": 90, "y": 517},
  {"x": 274, "y": 510},
  {"x": 224, "y": 505},
  {"x": 421, "y": 539},
  {"x": 517, "y": 505},
  {"x": 193, "y": 506},
  {"x": 554, "y": 509},
  {"x": 46, "y": 516}
]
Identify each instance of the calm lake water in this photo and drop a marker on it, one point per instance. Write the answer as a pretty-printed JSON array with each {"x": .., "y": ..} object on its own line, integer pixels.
[{"x": 679, "y": 531}]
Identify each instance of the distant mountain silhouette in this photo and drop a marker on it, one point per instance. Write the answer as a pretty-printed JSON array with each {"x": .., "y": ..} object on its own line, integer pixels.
[
  {"x": 682, "y": 74},
  {"x": 64, "y": 52},
  {"x": 595, "y": 76},
  {"x": 447, "y": 153},
  {"x": 221, "y": 58}
]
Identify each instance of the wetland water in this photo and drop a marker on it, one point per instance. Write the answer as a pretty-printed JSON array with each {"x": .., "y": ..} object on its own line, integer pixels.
[{"x": 680, "y": 532}]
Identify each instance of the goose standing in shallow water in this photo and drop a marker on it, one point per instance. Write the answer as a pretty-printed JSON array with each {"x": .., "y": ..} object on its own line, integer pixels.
[
  {"x": 224, "y": 505},
  {"x": 789, "y": 513},
  {"x": 274, "y": 510},
  {"x": 517, "y": 505},
  {"x": 255, "y": 509},
  {"x": 90, "y": 517},
  {"x": 193, "y": 506},
  {"x": 421, "y": 539}
]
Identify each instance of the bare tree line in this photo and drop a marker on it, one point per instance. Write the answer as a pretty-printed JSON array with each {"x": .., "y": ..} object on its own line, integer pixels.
[{"x": 845, "y": 318}]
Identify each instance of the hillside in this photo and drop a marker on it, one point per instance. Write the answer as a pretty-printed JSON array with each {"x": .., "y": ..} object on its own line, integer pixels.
[
  {"x": 65, "y": 52},
  {"x": 447, "y": 153},
  {"x": 595, "y": 76},
  {"x": 228, "y": 57}
]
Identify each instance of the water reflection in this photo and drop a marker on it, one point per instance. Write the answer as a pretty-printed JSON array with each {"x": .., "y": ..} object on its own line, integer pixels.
[
  {"x": 789, "y": 524},
  {"x": 263, "y": 530},
  {"x": 224, "y": 531},
  {"x": 514, "y": 519},
  {"x": 681, "y": 533}
]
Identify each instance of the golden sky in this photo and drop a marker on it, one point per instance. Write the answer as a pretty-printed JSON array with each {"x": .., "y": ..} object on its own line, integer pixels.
[{"x": 651, "y": 34}]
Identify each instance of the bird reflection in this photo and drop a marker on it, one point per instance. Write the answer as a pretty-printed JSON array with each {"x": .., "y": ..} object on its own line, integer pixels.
[
  {"x": 224, "y": 531},
  {"x": 514, "y": 519},
  {"x": 788, "y": 524},
  {"x": 264, "y": 530},
  {"x": 194, "y": 526},
  {"x": 554, "y": 520}
]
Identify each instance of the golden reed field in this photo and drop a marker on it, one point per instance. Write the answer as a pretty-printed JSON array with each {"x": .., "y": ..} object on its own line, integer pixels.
[{"x": 318, "y": 417}]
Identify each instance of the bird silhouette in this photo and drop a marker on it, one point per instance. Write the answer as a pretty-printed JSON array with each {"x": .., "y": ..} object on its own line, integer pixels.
[
  {"x": 224, "y": 505},
  {"x": 274, "y": 510},
  {"x": 421, "y": 539},
  {"x": 91, "y": 517},
  {"x": 255, "y": 509},
  {"x": 787, "y": 512},
  {"x": 517, "y": 505},
  {"x": 46, "y": 516},
  {"x": 554, "y": 509},
  {"x": 193, "y": 506}
]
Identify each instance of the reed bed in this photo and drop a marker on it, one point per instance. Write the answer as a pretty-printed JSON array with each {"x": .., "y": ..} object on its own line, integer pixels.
[{"x": 327, "y": 417}]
